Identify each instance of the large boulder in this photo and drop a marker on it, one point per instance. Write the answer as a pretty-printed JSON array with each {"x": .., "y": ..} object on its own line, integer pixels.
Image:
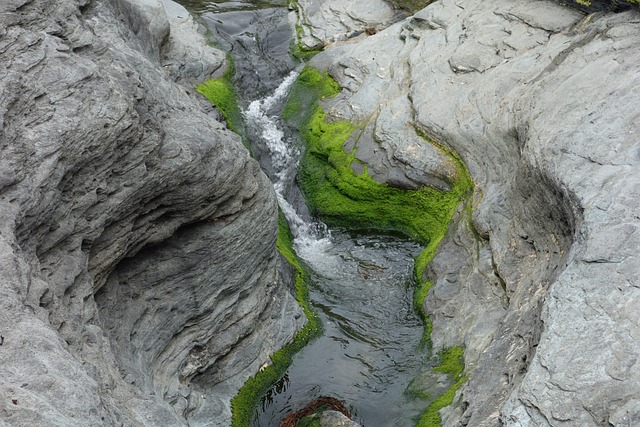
[
  {"x": 540, "y": 287},
  {"x": 140, "y": 283},
  {"x": 323, "y": 23}
]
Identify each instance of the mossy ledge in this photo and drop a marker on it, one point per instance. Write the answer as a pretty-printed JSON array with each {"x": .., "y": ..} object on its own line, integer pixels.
[
  {"x": 451, "y": 363},
  {"x": 248, "y": 397},
  {"x": 296, "y": 48},
  {"x": 221, "y": 93},
  {"x": 340, "y": 197}
]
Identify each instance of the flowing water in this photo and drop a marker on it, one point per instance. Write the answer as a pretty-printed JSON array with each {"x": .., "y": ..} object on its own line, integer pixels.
[{"x": 369, "y": 352}]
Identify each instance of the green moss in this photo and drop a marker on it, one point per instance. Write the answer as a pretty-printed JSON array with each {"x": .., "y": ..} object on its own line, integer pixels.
[
  {"x": 451, "y": 363},
  {"x": 341, "y": 197},
  {"x": 462, "y": 189},
  {"x": 300, "y": 51},
  {"x": 248, "y": 397},
  {"x": 309, "y": 87},
  {"x": 310, "y": 421},
  {"x": 222, "y": 94},
  {"x": 419, "y": 294}
]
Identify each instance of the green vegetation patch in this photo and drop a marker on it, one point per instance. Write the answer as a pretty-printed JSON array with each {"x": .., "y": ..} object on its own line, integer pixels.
[
  {"x": 249, "y": 396},
  {"x": 221, "y": 93},
  {"x": 462, "y": 190},
  {"x": 309, "y": 87},
  {"x": 451, "y": 363},
  {"x": 341, "y": 197},
  {"x": 309, "y": 421}
]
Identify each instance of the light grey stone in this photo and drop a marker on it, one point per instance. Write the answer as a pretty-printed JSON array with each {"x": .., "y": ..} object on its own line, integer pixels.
[
  {"x": 336, "y": 419},
  {"x": 541, "y": 287},
  {"x": 333, "y": 21},
  {"x": 131, "y": 292},
  {"x": 186, "y": 55}
]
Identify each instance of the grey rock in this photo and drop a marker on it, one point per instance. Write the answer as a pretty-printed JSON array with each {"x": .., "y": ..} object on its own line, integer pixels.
[
  {"x": 390, "y": 145},
  {"x": 540, "y": 287},
  {"x": 131, "y": 292},
  {"x": 336, "y": 419},
  {"x": 334, "y": 21},
  {"x": 186, "y": 55}
]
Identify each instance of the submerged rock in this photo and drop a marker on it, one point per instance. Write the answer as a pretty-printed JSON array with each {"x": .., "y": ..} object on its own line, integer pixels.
[
  {"x": 541, "y": 286},
  {"x": 132, "y": 293}
]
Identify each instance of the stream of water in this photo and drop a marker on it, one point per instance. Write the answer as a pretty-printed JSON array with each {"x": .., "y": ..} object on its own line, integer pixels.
[{"x": 369, "y": 352}]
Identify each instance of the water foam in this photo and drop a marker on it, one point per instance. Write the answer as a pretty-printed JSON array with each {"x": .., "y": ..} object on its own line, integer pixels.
[{"x": 312, "y": 240}]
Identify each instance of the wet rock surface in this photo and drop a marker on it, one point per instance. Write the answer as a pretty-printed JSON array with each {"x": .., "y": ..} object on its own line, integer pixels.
[
  {"x": 258, "y": 38},
  {"x": 540, "y": 282},
  {"x": 131, "y": 292}
]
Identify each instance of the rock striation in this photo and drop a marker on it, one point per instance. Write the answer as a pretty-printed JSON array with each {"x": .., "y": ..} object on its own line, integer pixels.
[
  {"x": 333, "y": 21},
  {"x": 132, "y": 292},
  {"x": 539, "y": 284}
]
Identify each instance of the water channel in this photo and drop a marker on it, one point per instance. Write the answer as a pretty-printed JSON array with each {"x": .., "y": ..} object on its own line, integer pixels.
[{"x": 370, "y": 350}]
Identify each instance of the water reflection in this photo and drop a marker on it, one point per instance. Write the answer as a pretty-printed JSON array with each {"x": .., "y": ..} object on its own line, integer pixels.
[
  {"x": 369, "y": 352},
  {"x": 217, "y": 6}
]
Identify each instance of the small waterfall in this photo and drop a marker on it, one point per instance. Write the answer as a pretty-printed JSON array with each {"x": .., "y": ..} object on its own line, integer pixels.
[{"x": 312, "y": 240}]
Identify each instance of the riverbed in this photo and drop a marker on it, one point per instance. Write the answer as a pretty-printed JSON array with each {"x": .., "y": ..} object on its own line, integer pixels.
[{"x": 363, "y": 283}]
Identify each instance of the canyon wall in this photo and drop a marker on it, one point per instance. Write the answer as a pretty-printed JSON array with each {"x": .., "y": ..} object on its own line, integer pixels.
[
  {"x": 539, "y": 279},
  {"x": 140, "y": 283}
]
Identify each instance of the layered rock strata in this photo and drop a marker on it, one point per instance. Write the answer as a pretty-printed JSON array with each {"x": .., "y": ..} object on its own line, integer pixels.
[
  {"x": 333, "y": 21},
  {"x": 539, "y": 284},
  {"x": 140, "y": 284}
]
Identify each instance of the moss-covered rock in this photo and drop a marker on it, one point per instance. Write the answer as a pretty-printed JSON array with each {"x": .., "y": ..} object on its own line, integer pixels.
[
  {"x": 452, "y": 364},
  {"x": 244, "y": 403},
  {"x": 342, "y": 197},
  {"x": 221, "y": 93}
]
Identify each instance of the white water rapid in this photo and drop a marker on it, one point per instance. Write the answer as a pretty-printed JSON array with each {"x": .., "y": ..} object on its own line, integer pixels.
[{"x": 312, "y": 240}]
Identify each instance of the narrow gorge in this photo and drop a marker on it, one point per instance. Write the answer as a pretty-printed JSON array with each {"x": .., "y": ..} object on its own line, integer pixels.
[{"x": 142, "y": 284}]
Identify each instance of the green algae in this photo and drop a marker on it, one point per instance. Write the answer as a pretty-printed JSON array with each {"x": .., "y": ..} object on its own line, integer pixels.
[
  {"x": 452, "y": 364},
  {"x": 341, "y": 197},
  {"x": 249, "y": 396},
  {"x": 221, "y": 93},
  {"x": 309, "y": 87},
  {"x": 309, "y": 421}
]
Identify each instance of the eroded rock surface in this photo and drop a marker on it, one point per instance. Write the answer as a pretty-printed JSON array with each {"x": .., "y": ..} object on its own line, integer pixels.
[
  {"x": 331, "y": 21},
  {"x": 541, "y": 286},
  {"x": 140, "y": 284}
]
